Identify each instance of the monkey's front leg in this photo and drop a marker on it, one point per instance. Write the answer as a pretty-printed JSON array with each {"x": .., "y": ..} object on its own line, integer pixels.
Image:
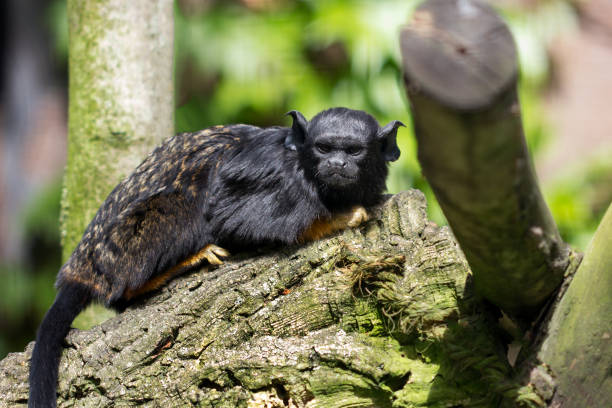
[
  {"x": 358, "y": 215},
  {"x": 323, "y": 227},
  {"x": 210, "y": 252}
]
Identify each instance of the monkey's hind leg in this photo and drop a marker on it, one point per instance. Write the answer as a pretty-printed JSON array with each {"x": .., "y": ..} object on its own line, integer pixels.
[
  {"x": 210, "y": 253},
  {"x": 327, "y": 226}
]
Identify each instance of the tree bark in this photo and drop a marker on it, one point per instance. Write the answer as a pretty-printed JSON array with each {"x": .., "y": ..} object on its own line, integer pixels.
[
  {"x": 577, "y": 349},
  {"x": 120, "y": 99},
  {"x": 460, "y": 70},
  {"x": 381, "y": 316}
]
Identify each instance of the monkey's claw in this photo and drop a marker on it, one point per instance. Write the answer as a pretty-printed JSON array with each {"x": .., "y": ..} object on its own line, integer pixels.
[
  {"x": 359, "y": 215},
  {"x": 212, "y": 253}
]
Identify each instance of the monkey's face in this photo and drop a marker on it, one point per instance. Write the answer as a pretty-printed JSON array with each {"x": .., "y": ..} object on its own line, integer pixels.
[
  {"x": 344, "y": 151},
  {"x": 338, "y": 159}
]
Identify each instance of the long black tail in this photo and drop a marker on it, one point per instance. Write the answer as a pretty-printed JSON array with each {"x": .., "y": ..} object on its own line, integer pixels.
[{"x": 44, "y": 365}]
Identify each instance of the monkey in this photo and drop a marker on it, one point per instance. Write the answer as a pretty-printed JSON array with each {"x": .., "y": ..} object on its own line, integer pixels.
[{"x": 200, "y": 195}]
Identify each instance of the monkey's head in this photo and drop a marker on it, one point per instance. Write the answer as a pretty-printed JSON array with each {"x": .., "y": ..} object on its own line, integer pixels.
[{"x": 345, "y": 152}]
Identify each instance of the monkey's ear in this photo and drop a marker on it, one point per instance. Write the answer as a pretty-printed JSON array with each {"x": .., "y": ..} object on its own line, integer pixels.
[
  {"x": 298, "y": 130},
  {"x": 388, "y": 136}
]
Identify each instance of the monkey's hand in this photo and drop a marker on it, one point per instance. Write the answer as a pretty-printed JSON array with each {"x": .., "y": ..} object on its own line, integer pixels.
[
  {"x": 327, "y": 226},
  {"x": 358, "y": 215}
]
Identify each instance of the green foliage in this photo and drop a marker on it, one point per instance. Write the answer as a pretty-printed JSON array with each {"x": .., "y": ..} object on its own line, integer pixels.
[
  {"x": 579, "y": 200},
  {"x": 303, "y": 56},
  {"x": 20, "y": 311},
  {"x": 57, "y": 23}
]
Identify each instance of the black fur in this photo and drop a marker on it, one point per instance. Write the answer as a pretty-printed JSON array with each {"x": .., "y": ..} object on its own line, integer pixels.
[
  {"x": 234, "y": 186},
  {"x": 68, "y": 303}
]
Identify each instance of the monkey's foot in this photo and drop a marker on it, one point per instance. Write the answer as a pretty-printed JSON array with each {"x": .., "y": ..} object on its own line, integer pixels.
[
  {"x": 212, "y": 253},
  {"x": 358, "y": 215}
]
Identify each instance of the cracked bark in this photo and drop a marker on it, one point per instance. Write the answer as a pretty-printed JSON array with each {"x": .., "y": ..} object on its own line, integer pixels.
[{"x": 378, "y": 316}]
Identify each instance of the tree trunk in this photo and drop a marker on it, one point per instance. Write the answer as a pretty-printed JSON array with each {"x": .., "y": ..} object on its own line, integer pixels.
[
  {"x": 120, "y": 99},
  {"x": 577, "y": 348},
  {"x": 460, "y": 70},
  {"x": 381, "y": 316}
]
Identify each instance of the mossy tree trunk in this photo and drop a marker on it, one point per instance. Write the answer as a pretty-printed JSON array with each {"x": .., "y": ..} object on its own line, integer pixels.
[
  {"x": 380, "y": 316},
  {"x": 120, "y": 99},
  {"x": 460, "y": 71},
  {"x": 460, "y": 68},
  {"x": 577, "y": 339}
]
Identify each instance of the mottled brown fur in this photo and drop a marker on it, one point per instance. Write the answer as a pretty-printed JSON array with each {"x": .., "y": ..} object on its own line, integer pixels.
[
  {"x": 326, "y": 226},
  {"x": 158, "y": 188}
]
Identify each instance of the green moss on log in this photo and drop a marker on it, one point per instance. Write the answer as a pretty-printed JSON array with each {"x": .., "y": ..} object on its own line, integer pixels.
[
  {"x": 120, "y": 99},
  {"x": 578, "y": 348},
  {"x": 381, "y": 316}
]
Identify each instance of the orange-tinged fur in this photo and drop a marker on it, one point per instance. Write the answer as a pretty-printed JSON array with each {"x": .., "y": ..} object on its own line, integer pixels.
[
  {"x": 318, "y": 229},
  {"x": 210, "y": 253},
  {"x": 323, "y": 227}
]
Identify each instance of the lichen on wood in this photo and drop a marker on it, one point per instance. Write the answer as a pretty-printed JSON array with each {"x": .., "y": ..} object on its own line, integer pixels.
[
  {"x": 460, "y": 70},
  {"x": 381, "y": 316},
  {"x": 577, "y": 349},
  {"x": 121, "y": 101}
]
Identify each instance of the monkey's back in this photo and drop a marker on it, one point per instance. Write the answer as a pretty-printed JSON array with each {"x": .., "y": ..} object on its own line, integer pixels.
[{"x": 153, "y": 218}]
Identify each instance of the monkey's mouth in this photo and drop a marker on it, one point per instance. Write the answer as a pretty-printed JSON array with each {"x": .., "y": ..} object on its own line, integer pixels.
[{"x": 338, "y": 179}]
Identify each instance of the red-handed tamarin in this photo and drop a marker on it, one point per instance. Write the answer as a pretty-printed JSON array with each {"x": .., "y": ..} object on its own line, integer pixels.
[{"x": 201, "y": 194}]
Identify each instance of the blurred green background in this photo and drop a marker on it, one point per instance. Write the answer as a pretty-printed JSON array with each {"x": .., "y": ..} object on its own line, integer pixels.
[{"x": 252, "y": 61}]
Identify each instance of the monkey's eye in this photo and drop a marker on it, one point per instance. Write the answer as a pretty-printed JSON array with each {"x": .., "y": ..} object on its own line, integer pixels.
[
  {"x": 323, "y": 148},
  {"x": 354, "y": 150}
]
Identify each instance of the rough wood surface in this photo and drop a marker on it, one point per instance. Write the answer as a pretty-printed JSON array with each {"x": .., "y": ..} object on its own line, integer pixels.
[
  {"x": 460, "y": 72},
  {"x": 577, "y": 350},
  {"x": 121, "y": 101},
  {"x": 379, "y": 316},
  {"x": 459, "y": 52}
]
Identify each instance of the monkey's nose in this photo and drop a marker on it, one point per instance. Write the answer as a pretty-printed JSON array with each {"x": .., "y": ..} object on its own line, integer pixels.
[{"x": 337, "y": 163}]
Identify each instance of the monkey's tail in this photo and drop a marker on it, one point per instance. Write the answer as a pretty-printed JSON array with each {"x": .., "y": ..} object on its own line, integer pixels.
[{"x": 69, "y": 302}]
